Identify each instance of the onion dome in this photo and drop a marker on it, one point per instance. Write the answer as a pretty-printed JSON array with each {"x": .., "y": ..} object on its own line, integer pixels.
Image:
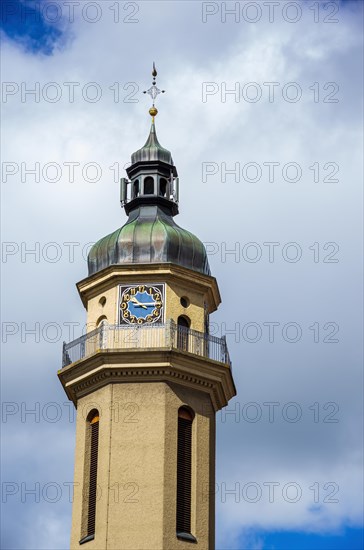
[{"x": 149, "y": 236}]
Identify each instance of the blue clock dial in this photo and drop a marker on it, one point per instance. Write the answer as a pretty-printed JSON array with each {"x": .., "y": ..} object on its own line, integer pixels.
[{"x": 141, "y": 304}]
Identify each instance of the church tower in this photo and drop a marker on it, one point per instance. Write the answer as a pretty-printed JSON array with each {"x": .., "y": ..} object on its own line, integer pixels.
[{"x": 147, "y": 378}]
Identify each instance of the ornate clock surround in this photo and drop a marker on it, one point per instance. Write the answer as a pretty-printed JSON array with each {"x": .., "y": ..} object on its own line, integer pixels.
[{"x": 141, "y": 303}]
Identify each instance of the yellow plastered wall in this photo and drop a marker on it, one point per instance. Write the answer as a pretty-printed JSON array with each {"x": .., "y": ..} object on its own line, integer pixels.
[
  {"x": 100, "y": 400},
  {"x": 96, "y": 311},
  {"x": 137, "y": 466}
]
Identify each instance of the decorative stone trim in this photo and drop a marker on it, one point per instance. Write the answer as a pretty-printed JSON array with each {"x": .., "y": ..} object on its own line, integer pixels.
[
  {"x": 113, "y": 367},
  {"x": 110, "y": 276}
]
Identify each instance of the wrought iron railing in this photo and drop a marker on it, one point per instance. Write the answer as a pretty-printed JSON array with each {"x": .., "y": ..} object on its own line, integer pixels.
[{"x": 166, "y": 336}]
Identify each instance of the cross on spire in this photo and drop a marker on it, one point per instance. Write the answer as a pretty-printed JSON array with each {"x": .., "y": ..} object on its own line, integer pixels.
[{"x": 154, "y": 91}]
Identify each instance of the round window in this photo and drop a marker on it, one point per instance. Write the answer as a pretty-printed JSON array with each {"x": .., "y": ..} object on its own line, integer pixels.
[{"x": 185, "y": 301}]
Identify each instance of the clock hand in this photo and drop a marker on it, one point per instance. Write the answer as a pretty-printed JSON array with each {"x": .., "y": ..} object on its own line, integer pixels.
[
  {"x": 135, "y": 301},
  {"x": 141, "y": 304}
]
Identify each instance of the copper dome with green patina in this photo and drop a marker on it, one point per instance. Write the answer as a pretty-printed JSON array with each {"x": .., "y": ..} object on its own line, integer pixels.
[{"x": 149, "y": 236}]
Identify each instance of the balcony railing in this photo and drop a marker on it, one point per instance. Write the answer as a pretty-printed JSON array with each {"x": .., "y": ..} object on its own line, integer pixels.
[{"x": 167, "y": 336}]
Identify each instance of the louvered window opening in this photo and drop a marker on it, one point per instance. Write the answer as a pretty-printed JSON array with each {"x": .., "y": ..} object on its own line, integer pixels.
[
  {"x": 184, "y": 470},
  {"x": 94, "y": 425}
]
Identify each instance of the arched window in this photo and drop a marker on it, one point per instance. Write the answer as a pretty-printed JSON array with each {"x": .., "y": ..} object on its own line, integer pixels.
[
  {"x": 102, "y": 320},
  {"x": 91, "y": 457},
  {"x": 149, "y": 186},
  {"x": 184, "y": 473},
  {"x": 102, "y": 325},
  {"x": 136, "y": 189},
  {"x": 183, "y": 325},
  {"x": 163, "y": 187}
]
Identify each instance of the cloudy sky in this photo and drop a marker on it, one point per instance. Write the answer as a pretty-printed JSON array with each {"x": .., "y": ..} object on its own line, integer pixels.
[{"x": 263, "y": 115}]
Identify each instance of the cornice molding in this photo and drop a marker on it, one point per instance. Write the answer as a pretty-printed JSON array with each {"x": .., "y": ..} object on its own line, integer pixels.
[
  {"x": 110, "y": 276},
  {"x": 117, "y": 366}
]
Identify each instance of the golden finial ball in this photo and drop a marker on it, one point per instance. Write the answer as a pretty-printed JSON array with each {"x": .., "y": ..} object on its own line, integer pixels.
[{"x": 153, "y": 111}]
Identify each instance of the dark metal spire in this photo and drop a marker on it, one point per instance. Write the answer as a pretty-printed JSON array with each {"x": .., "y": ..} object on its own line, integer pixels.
[
  {"x": 152, "y": 150},
  {"x": 153, "y": 177}
]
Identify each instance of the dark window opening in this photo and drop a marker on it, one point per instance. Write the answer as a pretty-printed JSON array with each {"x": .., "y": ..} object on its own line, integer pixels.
[
  {"x": 136, "y": 188},
  {"x": 148, "y": 186},
  {"x": 163, "y": 187},
  {"x": 93, "y": 428},
  {"x": 185, "y": 301},
  {"x": 184, "y": 473},
  {"x": 183, "y": 325}
]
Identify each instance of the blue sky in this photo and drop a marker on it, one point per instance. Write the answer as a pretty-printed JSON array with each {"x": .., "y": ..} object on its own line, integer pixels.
[
  {"x": 24, "y": 24},
  {"x": 286, "y": 540},
  {"x": 314, "y": 376},
  {"x": 349, "y": 538}
]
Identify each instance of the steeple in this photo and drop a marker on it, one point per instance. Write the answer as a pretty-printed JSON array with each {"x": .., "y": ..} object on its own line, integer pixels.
[
  {"x": 153, "y": 177},
  {"x": 150, "y": 198}
]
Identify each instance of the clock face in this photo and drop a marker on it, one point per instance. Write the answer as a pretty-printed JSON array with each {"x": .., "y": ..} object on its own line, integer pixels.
[{"x": 141, "y": 304}]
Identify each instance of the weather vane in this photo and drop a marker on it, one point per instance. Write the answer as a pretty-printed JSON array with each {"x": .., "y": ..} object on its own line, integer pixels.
[{"x": 154, "y": 91}]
